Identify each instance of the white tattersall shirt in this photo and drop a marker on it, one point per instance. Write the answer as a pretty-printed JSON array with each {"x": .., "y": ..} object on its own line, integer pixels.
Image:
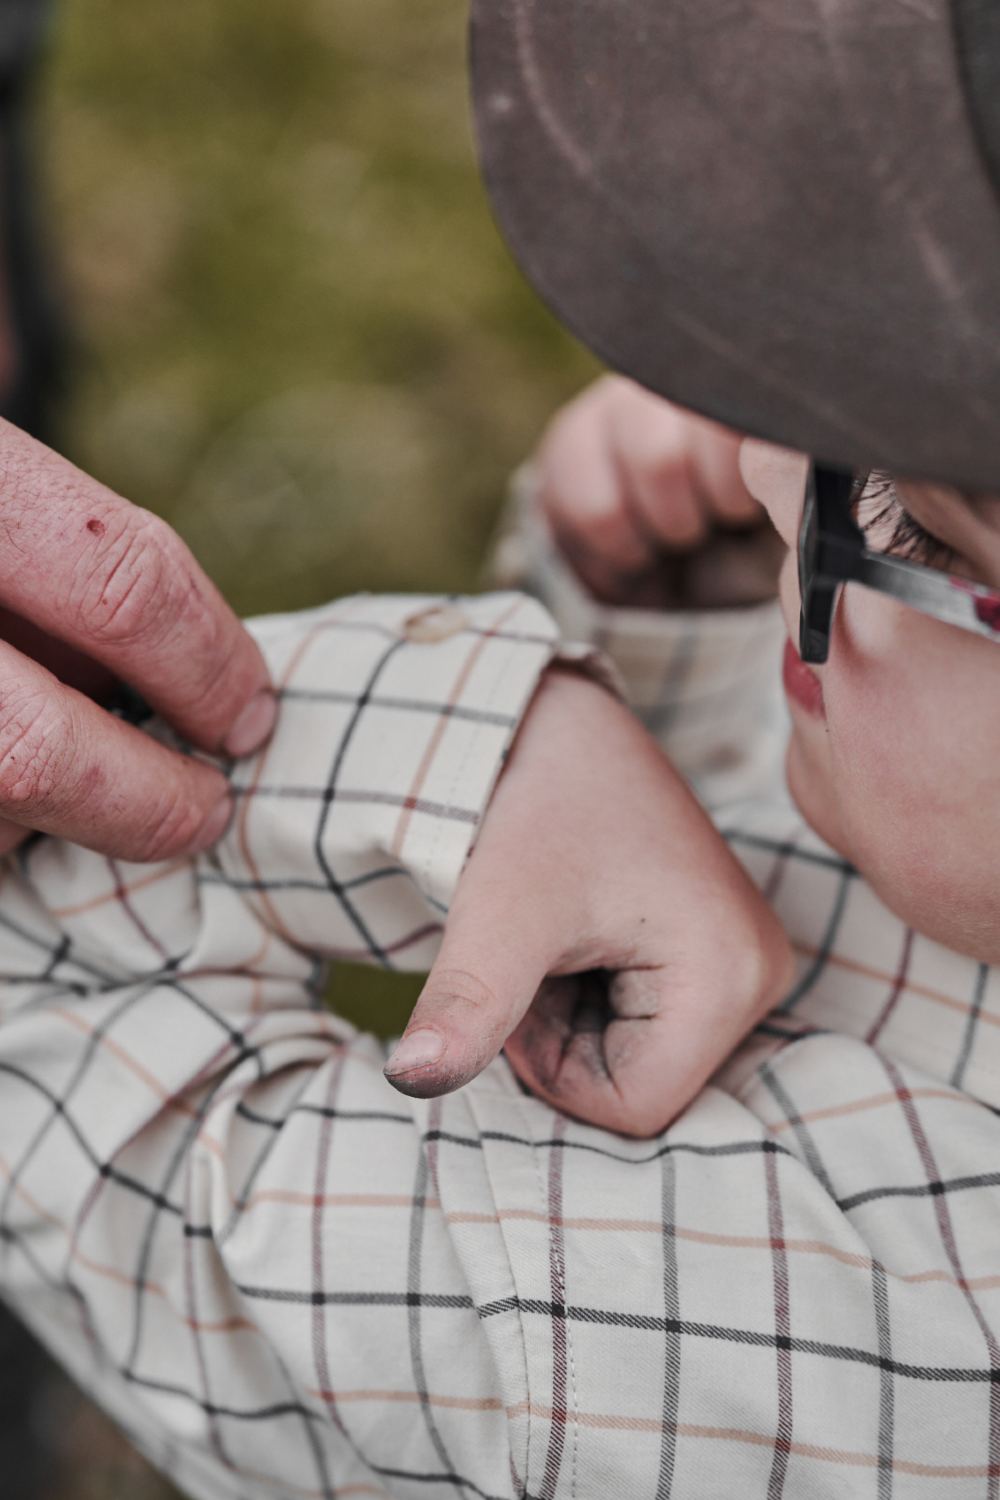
[{"x": 286, "y": 1280}]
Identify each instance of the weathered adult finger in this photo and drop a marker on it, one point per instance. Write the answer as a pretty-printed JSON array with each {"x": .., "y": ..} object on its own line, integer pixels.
[
  {"x": 68, "y": 768},
  {"x": 114, "y": 582}
]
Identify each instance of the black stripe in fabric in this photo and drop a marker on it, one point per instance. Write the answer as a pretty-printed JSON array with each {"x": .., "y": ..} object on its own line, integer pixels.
[
  {"x": 414, "y": 1257},
  {"x": 802, "y": 1133},
  {"x": 404, "y": 705},
  {"x": 672, "y": 1343},
  {"x": 282, "y": 1409},
  {"x": 14, "y": 1240},
  {"x": 313, "y": 1435},
  {"x": 55, "y": 987},
  {"x": 649, "y": 1323},
  {"x": 452, "y": 1300},
  {"x": 968, "y": 1036},
  {"x": 267, "y": 1145},
  {"x": 921, "y": 1190},
  {"x": 44, "y": 945},
  {"x": 788, "y": 850},
  {"x": 296, "y": 1409},
  {"x": 886, "y": 1395},
  {"x": 325, "y": 1112},
  {"x": 175, "y": 1165},
  {"x": 56, "y": 957},
  {"x": 104, "y": 1169},
  {"x": 669, "y": 1148},
  {"x": 302, "y": 883},
  {"x": 91, "y": 1047},
  {"x": 318, "y": 1330},
  {"x": 645, "y": 1323},
  {"x": 357, "y": 797},
  {"x": 563, "y": 1399},
  {"x": 91, "y": 1050},
  {"x": 336, "y": 889}
]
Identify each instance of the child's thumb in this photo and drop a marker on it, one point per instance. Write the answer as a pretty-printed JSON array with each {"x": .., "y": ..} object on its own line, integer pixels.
[{"x": 475, "y": 995}]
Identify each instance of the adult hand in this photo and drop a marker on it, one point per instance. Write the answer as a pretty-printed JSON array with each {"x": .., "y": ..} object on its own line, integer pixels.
[
  {"x": 647, "y": 503},
  {"x": 602, "y": 929},
  {"x": 95, "y": 590}
]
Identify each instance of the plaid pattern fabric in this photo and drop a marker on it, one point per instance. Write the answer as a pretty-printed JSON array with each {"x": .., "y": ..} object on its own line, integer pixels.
[{"x": 286, "y": 1280}]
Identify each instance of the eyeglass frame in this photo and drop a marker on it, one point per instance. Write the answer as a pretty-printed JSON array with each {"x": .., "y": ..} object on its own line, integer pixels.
[{"x": 832, "y": 551}]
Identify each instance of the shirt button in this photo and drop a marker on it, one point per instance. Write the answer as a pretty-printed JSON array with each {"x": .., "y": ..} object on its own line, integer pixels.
[{"x": 439, "y": 623}]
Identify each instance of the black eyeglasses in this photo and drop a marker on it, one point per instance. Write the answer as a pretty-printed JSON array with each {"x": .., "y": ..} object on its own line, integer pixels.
[{"x": 832, "y": 552}]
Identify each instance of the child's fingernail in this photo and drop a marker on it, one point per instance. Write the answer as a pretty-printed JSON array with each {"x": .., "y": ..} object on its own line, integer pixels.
[
  {"x": 214, "y": 826},
  {"x": 253, "y": 725},
  {"x": 417, "y": 1049}
]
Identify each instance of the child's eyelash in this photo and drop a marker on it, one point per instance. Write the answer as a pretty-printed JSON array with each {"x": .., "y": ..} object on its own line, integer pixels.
[{"x": 880, "y": 510}]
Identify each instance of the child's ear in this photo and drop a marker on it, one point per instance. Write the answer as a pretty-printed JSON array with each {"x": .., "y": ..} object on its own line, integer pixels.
[{"x": 777, "y": 478}]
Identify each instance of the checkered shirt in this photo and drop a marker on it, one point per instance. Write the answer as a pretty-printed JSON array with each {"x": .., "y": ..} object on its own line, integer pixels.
[{"x": 285, "y": 1280}]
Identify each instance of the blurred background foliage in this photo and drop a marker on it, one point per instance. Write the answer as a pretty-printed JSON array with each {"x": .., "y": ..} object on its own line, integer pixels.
[
  {"x": 301, "y": 338},
  {"x": 296, "y": 332}
]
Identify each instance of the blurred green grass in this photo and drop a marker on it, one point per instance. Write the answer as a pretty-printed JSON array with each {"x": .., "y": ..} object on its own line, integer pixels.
[
  {"x": 299, "y": 336},
  {"x": 304, "y": 341}
]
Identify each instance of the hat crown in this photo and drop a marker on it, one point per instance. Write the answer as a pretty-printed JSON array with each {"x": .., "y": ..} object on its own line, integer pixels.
[
  {"x": 977, "y": 32},
  {"x": 784, "y": 214}
]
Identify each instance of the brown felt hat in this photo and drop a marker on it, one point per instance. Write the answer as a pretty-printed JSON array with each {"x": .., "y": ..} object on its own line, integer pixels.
[{"x": 782, "y": 213}]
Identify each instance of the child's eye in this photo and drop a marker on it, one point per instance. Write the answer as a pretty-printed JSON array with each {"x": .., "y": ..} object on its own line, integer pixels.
[{"x": 889, "y": 527}]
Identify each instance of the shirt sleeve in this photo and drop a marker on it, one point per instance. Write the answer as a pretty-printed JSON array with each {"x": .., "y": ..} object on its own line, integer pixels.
[
  {"x": 706, "y": 683},
  {"x": 396, "y": 717}
]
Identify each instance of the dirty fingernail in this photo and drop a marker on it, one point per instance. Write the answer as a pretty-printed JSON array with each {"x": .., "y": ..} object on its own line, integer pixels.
[
  {"x": 253, "y": 725},
  {"x": 418, "y": 1049}
]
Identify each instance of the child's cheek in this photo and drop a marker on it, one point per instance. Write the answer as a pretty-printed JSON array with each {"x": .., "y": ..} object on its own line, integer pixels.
[
  {"x": 900, "y": 705},
  {"x": 912, "y": 728}
]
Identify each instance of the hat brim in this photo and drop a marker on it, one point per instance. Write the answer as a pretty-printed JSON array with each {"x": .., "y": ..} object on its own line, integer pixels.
[{"x": 776, "y": 214}]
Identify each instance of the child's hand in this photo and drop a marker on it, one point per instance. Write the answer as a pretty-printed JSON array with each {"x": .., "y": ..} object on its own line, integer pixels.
[
  {"x": 647, "y": 503},
  {"x": 602, "y": 929}
]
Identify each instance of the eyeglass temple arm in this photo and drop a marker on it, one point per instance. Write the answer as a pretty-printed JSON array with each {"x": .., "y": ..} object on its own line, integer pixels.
[{"x": 837, "y": 544}]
